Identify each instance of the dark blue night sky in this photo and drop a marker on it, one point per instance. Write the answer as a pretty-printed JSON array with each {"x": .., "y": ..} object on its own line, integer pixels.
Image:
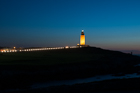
[{"x": 111, "y": 24}]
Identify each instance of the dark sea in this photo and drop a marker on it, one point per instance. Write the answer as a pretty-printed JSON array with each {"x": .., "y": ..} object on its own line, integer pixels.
[{"x": 137, "y": 54}]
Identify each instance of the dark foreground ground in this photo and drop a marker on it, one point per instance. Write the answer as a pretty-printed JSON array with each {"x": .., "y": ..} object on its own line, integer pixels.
[
  {"x": 107, "y": 86},
  {"x": 21, "y": 70}
]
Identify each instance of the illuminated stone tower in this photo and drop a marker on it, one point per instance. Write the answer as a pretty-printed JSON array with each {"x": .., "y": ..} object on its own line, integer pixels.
[{"x": 82, "y": 38}]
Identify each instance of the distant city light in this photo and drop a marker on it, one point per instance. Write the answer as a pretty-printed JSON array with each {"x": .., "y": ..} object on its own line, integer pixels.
[{"x": 66, "y": 46}]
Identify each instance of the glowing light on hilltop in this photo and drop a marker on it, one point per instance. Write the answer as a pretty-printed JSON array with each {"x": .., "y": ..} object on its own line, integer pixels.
[
  {"x": 2, "y": 51},
  {"x": 66, "y": 46}
]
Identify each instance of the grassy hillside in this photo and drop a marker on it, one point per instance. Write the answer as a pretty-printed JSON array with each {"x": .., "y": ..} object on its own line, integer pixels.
[
  {"x": 63, "y": 56},
  {"x": 50, "y": 57}
]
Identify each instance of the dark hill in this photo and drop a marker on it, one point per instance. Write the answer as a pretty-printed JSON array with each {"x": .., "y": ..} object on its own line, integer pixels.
[{"x": 25, "y": 68}]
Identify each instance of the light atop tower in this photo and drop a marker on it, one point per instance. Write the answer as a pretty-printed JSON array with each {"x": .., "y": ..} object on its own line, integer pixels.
[{"x": 82, "y": 33}]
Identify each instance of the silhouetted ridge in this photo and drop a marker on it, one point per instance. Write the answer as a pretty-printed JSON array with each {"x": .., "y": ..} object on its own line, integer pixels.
[{"x": 27, "y": 68}]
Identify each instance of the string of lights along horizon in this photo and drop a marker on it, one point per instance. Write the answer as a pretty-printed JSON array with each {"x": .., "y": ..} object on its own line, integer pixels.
[{"x": 109, "y": 24}]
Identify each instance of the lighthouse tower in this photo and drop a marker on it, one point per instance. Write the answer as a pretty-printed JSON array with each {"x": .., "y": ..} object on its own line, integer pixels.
[{"x": 82, "y": 38}]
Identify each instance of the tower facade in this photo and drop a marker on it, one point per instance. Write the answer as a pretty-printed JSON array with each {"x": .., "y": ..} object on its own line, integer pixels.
[{"x": 82, "y": 38}]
